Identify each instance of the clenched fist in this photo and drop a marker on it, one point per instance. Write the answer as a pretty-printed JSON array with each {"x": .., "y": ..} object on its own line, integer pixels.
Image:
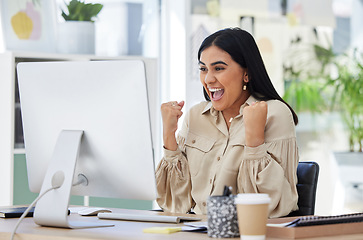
[
  {"x": 171, "y": 112},
  {"x": 255, "y": 117}
]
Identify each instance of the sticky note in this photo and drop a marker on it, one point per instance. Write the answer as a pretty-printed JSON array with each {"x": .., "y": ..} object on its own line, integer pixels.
[{"x": 165, "y": 230}]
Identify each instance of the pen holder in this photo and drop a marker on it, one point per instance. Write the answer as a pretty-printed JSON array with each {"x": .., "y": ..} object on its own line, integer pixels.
[{"x": 222, "y": 217}]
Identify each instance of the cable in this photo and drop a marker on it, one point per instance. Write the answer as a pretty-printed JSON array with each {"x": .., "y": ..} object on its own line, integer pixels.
[
  {"x": 57, "y": 181},
  {"x": 28, "y": 209}
]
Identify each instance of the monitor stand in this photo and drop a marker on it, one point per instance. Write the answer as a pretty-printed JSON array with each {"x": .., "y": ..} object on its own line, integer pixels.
[{"x": 52, "y": 209}]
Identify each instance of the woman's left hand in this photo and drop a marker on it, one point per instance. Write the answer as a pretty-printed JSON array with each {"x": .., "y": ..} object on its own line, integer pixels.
[{"x": 255, "y": 117}]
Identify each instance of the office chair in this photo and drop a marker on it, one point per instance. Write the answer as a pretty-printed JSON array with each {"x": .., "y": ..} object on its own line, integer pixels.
[{"x": 307, "y": 180}]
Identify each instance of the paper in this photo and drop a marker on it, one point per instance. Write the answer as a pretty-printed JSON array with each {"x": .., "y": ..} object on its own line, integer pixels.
[
  {"x": 147, "y": 217},
  {"x": 197, "y": 224},
  {"x": 195, "y": 227},
  {"x": 278, "y": 224}
]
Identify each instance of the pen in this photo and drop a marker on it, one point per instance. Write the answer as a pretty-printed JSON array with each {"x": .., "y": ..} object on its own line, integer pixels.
[{"x": 227, "y": 190}]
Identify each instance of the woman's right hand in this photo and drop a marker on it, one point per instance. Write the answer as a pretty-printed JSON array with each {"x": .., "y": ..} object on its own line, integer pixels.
[{"x": 171, "y": 112}]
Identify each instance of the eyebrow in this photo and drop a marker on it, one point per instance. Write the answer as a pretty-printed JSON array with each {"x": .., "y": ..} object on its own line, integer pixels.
[{"x": 215, "y": 63}]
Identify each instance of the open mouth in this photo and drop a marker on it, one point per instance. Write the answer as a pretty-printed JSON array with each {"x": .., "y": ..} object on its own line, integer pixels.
[{"x": 216, "y": 93}]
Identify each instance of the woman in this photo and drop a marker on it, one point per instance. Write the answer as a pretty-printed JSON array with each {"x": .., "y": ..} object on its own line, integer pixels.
[{"x": 243, "y": 135}]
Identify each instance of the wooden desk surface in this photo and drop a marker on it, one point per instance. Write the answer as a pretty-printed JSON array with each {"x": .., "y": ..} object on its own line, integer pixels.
[{"x": 122, "y": 230}]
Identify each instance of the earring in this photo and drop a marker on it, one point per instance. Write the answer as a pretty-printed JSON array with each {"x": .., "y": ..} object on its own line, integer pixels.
[{"x": 244, "y": 87}]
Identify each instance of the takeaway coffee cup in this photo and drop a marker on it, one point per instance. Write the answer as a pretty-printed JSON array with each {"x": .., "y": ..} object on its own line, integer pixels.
[
  {"x": 222, "y": 217},
  {"x": 252, "y": 213}
]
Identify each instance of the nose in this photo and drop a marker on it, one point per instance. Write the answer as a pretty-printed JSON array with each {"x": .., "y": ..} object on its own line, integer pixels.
[{"x": 209, "y": 78}]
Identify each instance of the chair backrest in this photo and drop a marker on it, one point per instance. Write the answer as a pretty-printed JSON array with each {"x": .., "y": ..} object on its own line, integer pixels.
[{"x": 307, "y": 181}]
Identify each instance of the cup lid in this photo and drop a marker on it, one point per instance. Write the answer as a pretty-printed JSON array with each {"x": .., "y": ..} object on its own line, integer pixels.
[{"x": 252, "y": 198}]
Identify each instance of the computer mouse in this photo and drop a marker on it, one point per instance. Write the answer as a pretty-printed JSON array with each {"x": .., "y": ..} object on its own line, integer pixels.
[{"x": 93, "y": 211}]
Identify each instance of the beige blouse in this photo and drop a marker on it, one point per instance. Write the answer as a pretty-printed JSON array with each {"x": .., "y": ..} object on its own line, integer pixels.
[{"x": 211, "y": 156}]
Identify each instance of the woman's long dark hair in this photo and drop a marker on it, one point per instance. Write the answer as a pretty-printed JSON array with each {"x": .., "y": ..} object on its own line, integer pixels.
[{"x": 241, "y": 46}]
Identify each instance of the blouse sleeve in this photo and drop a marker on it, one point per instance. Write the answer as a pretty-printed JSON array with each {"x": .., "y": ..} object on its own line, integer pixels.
[
  {"x": 271, "y": 168},
  {"x": 174, "y": 184}
]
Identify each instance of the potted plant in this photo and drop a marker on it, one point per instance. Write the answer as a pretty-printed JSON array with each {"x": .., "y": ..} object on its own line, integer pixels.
[
  {"x": 306, "y": 77},
  {"x": 347, "y": 98},
  {"x": 329, "y": 82},
  {"x": 305, "y": 85},
  {"x": 333, "y": 84},
  {"x": 77, "y": 33},
  {"x": 81, "y": 11}
]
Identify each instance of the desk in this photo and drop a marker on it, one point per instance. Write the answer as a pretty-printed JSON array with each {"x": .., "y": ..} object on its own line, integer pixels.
[{"x": 122, "y": 230}]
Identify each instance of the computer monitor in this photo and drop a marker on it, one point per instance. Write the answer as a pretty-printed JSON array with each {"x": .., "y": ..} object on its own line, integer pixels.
[{"x": 86, "y": 119}]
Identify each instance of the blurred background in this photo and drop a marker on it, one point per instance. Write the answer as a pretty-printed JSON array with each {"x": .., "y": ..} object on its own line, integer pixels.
[{"x": 312, "y": 51}]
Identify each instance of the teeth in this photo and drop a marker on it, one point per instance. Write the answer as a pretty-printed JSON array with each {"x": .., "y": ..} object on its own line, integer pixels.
[{"x": 214, "y": 89}]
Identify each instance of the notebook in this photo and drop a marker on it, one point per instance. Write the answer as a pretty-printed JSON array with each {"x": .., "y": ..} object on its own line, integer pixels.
[
  {"x": 322, "y": 220},
  {"x": 315, "y": 226},
  {"x": 15, "y": 212},
  {"x": 147, "y": 217}
]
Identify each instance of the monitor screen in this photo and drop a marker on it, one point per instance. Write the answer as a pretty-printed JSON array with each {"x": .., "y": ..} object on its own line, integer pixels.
[{"x": 108, "y": 102}]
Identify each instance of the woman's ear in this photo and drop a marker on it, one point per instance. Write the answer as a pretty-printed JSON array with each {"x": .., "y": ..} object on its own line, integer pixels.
[{"x": 245, "y": 77}]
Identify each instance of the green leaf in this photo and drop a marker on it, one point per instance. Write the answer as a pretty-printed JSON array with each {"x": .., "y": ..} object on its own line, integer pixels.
[
  {"x": 311, "y": 87},
  {"x": 80, "y": 11}
]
